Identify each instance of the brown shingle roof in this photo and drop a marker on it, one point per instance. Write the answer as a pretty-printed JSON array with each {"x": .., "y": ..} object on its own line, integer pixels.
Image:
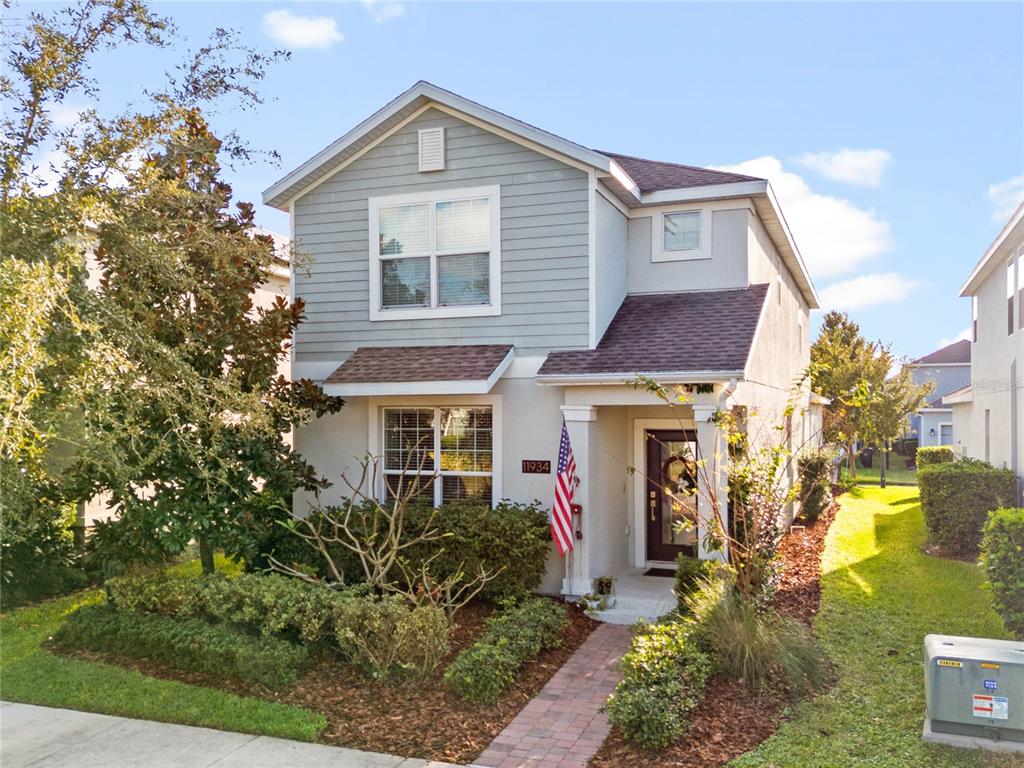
[
  {"x": 957, "y": 353},
  {"x": 653, "y": 175},
  {"x": 671, "y": 333},
  {"x": 380, "y": 365}
]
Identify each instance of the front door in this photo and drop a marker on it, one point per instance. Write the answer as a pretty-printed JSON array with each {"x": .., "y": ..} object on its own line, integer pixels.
[{"x": 671, "y": 513}]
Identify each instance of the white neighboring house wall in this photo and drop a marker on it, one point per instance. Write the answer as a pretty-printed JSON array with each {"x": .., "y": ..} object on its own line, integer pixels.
[{"x": 989, "y": 422}]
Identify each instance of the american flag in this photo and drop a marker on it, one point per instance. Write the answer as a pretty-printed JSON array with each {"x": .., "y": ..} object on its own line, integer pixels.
[{"x": 565, "y": 491}]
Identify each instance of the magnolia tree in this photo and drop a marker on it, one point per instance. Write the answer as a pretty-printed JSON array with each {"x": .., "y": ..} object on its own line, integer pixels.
[
  {"x": 156, "y": 383},
  {"x": 745, "y": 518}
]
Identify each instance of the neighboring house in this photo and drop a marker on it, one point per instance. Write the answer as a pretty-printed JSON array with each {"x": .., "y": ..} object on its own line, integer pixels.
[
  {"x": 987, "y": 419},
  {"x": 473, "y": 279},
  {"x": 948, "y": 369}
]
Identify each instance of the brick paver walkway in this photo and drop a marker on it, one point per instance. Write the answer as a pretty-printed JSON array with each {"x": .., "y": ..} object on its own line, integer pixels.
[{"x": 562, "y": 726}]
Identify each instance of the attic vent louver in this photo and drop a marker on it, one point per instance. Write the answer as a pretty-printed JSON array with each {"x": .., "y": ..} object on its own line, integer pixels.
[{"x": 432, "y": 149}]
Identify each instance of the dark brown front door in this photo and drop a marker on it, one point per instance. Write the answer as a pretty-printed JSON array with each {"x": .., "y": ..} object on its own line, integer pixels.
[{"x": 670, "y": 471}]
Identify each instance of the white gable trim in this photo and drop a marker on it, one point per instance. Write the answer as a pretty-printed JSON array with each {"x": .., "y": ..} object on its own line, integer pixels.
[{"x": 278, "y": 193}]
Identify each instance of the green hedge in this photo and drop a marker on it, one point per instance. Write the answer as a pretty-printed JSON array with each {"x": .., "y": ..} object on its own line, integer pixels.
[
  {"x": 1002, "y": 548},
  {"x": 663, "y": 677},
  {"x": 934, "y": 454},
  {"x": 269, "y": 604},
  {"x": 956, "y": 498},
  {"x": 815, "y": 483},
  {"x": 193, "y": 645},
  {"x": 386, "y": 637},
  {"x": 514, "y": 636},
  {"x": 511, "y": 538}
]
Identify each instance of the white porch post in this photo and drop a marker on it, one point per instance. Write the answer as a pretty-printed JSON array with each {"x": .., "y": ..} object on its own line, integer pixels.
[
  {"x": 579, "y": 421},
  {"x": 714, "y": 452}
]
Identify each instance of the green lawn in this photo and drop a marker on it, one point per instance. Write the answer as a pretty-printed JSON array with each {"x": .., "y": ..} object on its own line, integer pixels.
[
  {"x": 29, "y": 674},
  {"x": 897, "y": 472},
  {"x": 880, "y": 596}
]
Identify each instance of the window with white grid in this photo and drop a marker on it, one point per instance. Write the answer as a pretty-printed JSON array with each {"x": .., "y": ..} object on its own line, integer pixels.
[{"x": 453, "y": 444}]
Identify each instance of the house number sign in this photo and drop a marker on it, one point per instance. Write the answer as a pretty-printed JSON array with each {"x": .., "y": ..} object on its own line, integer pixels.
[{"x": 536, "y": 467}]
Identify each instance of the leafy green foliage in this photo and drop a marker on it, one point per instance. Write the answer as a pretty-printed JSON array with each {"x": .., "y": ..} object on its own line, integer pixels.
[
  {"x": 752, "y": 643},
  {"x": 663, "y": 677},
  {"x": 188, "y": 644},
  {"x": 934, "y": 454},
  {"x": 815, "y": 469},
  {"x": 510, "y": 540},
  {"x": 1002, "y": 548},
  {"x": 513, "y": 636},
  {"x": 268, "y": 604},
  {"x": 956, "y": 498},
  {"x": 34, "y": 675},
  {"x": 880, "y": 595},
  {"x": 389, "y": 639}
]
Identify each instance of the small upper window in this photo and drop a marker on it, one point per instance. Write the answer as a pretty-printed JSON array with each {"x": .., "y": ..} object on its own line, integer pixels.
[
  {"x": 681, "y": 231},
  {"x": 974, "y": 318},
  {"x": 1010, "y": 286},
  {"x": 436, "y": 255}
]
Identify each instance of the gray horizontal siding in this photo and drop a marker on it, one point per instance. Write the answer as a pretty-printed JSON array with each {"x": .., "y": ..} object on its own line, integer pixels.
[{"x": 543, "y": 246}]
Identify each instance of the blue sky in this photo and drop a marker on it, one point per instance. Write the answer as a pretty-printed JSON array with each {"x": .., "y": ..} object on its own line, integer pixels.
[{"x": 926, "y": 99}]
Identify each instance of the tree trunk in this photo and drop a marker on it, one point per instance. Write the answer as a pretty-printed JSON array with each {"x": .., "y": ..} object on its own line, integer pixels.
[
  {"x": 206, "y": 555},
  {"x": 885, "y": 462},
  {"x": 852, "y": 461}
]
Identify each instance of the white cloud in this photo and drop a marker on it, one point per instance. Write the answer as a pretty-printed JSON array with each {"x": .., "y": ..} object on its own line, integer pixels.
[
  {"x": 1005, "y": 197},
  {"x": 867, "y": 291},
  {"x": 381, "y": 10},
  {"x": 863, "y": 167},
  {"x": 301, "y": 31},
  {"x": 965, "y": 334},
  {"x": 833, "y": 235},
  {"x": 66, "y": 115}
]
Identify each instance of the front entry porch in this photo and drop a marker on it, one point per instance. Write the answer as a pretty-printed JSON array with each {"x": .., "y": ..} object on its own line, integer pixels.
[{"x": 629, "y": 447}]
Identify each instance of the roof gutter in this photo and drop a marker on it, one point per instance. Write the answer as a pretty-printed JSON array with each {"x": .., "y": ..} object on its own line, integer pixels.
[{"x": 662, "y": 377}]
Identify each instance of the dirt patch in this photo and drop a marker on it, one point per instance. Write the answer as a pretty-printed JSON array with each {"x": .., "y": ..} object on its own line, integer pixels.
[
  {"x": 422, "y": 719},
  {"x": 731, "y": 719}
]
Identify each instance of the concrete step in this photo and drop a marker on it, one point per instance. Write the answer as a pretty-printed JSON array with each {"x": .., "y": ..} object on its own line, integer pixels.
[{"x": 627, "y": 609}]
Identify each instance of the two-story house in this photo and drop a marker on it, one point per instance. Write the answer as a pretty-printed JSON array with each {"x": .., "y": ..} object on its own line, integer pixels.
[
  {"x": 949, "y": 369},
  {"x": 987, "y": 421},
  {"x": 473, "y": 280}
]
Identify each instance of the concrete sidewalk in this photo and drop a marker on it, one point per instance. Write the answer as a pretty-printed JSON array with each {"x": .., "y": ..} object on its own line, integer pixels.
[{"x": 64, "y": 738}]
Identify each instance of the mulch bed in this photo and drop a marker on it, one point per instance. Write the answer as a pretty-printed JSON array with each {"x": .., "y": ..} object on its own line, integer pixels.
[
  {"x": 421, "y": 719},
  {"x": 731, "y": 719}
]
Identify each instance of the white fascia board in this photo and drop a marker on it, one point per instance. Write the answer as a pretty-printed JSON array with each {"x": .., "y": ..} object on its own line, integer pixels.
[
  {"x": 428, "y": 91},
  {"x": 934, "y": 410},
  {"x": 707, "y": 192},
  {"x": 810, "y": 294},
  {"x": 662, "y": 377},
  {"x": 459, "y": 387},
  {"x": 954, "y": 399},
  {"x": 938, "y": 365},
  {"x": 619, "y": 174},
  {"x": 974, "y": 281}
]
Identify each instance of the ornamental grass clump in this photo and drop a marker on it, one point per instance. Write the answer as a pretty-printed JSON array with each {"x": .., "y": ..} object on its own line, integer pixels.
[{"x": 750, "y": 642}]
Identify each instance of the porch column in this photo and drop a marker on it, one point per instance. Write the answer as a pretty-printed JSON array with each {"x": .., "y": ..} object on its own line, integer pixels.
[
  {"x": 579, "y": 421},
  {"x": 713, "y": 450}
]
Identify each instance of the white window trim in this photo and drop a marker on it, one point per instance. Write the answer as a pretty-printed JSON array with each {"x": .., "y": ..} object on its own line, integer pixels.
[
  {"x": 376, "y": 434},
  {"x": 493, "y": 308},
  {"x": 702, "y": 251}
]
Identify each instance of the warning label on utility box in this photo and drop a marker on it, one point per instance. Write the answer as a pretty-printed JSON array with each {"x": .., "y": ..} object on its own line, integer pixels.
[{"x": 994, "y": 707}]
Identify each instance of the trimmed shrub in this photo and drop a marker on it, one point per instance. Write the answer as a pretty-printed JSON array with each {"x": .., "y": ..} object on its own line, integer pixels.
[
  {"x": 481, "y": 672},
  {"x": 388, "y": 638},
  {"x": 956, "y": 498},
  {"x": 815, "y": 483},
  {"x": 268, "y": 604},
  {"x": 511, "y": 538},
  {"x": 930, "y": 455},
  {"x": 752, "y": 644},
  {"x": 188, "y": 644},
  {"x": 690, "y": 571},
  {"x": 1002, "y": 548},
  {"x": 663, "y": 676}
]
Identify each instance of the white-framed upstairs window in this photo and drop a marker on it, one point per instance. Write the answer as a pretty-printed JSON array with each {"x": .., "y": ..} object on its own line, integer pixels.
[
  {"x": 681, "y": 235},
  {"x": 435, "y": 254},
  {"x": 447, "y": 452}
]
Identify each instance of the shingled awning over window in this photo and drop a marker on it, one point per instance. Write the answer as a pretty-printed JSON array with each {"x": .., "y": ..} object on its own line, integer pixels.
[
  {"x": 679, "y": 335},
  {"x": 462, "y": 369}
]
